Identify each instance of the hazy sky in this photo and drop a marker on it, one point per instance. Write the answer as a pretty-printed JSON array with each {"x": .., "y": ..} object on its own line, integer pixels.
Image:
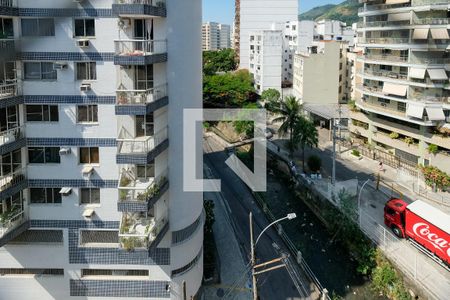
[{"x": 222, "y": 11}]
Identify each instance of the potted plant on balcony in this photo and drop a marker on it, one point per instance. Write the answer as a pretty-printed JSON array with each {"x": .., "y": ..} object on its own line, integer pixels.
[
  {"x": 433, "y": 149},
  {"x": 394, "y": 135},
  {"x": 122, "y": 98},
  {"x": 409, "y": 140}
]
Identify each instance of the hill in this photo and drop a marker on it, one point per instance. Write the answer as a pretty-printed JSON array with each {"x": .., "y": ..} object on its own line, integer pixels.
[{"x": 346, "y": 12}]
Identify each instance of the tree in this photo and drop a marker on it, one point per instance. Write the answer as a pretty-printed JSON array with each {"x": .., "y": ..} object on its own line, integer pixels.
[
  {"x": 314, "y": 163},
  {"x": 218, "y": 61},
  {"x": 246, "y": 127},
  {"x": 306, "y": 136},
  {"x": 271, "y": 97},
  {"x": 289, "y": 110},
  {"x": 433, "y": 149}
]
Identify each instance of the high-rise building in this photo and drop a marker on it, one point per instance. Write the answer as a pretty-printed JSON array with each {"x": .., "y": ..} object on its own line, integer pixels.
[
  {"x": 215, "y": 36},
  {"x": 92, "y": 95},
  {"x": 255, "y": 15},
  {"x": 403, "y": 89}
]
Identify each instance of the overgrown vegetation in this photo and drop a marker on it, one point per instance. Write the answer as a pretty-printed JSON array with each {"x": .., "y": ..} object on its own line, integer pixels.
[
  {"x": 356, "y": 153},
  {"x": 435, "y": 177}
]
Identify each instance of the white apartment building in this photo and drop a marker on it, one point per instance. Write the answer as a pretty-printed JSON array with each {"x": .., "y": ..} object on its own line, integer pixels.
[
  {"x": 266, "y": 52},
  {"x": 334, "y": 30},
  {"x": 320, "y": 73},
  {"x": 215, "y": 36},
  {"x": 256, "y": 15},
  {"x": 91, "y": 100},
  {"x": 403, "y": 92}
]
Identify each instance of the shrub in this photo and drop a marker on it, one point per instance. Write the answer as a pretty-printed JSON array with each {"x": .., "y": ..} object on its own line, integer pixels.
[
  {"x": 314, "y": 163},
  {"x": 394, "y": 135},
  {"x": 433, "y": 149},
  {"x": 434, "y": 176},
  {"x": 356, "y": 153},
  {"x": 409, "y": 140}
]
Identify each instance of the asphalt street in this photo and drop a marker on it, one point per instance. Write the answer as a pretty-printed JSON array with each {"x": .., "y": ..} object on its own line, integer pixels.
[{"x": 273, "y": 285}]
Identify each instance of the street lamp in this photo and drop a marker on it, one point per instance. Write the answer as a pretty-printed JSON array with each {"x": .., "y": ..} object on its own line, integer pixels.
[
  {"x": 359, "y": 200},
  {"x": 252, "y": 249}
]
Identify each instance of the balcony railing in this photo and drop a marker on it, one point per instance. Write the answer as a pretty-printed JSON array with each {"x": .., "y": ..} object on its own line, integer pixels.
[
  {"x": 392, "y": 58},
  {"x": 141, "y": 97},
  {"x": 428, "y": 2},
  {"x": 8, "y": 3},
  {"x": 15, "y": 177},
  {"x": 158, "y": 3},
  {"x": 8, "y": 89},
  {"x": 133, "y": 189},
  {"x": 139, "y": 145},
  {"x": 383, "y": 23},
  {"x": 386, "y": 40},
  {"x": 10, "y": 219},
  {"x": 432, "y": 21},
  {"x": 140, "y": 47},
  {"x": 139, "y": 231},
  {"x": 11, "y": 135},
  {"x": 388, "y": 74},
  {"x": 430, "y": 61}
]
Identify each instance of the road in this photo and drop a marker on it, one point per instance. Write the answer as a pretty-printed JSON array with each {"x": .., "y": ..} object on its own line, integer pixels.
[{"x": 277, "y": 284}]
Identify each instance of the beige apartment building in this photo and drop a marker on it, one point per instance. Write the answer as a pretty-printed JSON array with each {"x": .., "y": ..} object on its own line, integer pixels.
[{"x": 402, "y": 89}]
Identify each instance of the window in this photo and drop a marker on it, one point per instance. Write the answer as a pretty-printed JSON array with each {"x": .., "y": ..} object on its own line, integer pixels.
[
  {"x": 401, "y": 106},
  {"x": 43, "y": 155},
  {"x": 38, "y": 27},
  {"x": 104, "y": 272},
  {"x": 42, "y": 113},
  {"x": 45, "y": 195},
  {"x": 87, "y": 113},
  {"x": 6, "y": 28},
  {"x": 39, "y": 71},
  {"x": 10, "y": 162},
  {"x": 84, "y": 28},
  {"x": 89, "y": 155},
  {"x": 86, "y": 71},
  {"x": 40, "y": 272},
  {"x": 90, "y": 196},
  {"x": 95, "y": 237}
]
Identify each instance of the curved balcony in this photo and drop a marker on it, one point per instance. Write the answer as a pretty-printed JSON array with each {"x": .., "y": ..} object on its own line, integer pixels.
[
  {"x": 140, "y": 194},
  {"x": 141, "y": 102},
  {"x": 139, "y": 8},
  {"x": 139, "y": 230},
  {"x": 140, "y": 150},
  {"x": 140, "y": 52},
  {"x": 14, "y": 181},
  {"x": 12, "y": 135}
]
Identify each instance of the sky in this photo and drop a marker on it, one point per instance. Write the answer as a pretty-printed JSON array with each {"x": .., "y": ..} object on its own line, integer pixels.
[{"x": 222, "y": 11}]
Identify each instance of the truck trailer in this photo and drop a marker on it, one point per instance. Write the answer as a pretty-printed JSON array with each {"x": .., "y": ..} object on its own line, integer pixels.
[{"x": 424, "y": 225}]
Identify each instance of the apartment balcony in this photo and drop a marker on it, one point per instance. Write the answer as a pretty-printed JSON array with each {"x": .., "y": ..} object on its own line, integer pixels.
[
  {"x": 386, "y": 58},
  {"x": 140, "y": 52},
  {"x": 140, "y": 194},
  {"x": 141, "y": 231},
  {"x": 12, "y": 135},
  {"x": 7, "y": 49},
  {"x": 431, "y": 21},
  {"x": 381, "y": 24},
  {"x": 9, "y": 8},
  {"x": 139, "y": 8},
  {"x": 141, "y": 102},
  {"x": 8, "y": 89},
  {"x": 430, "y": 61},
  {"x": 12, "y": 224},
  {"x": 398, "y": 143},
  {"x": 14, "y": 181},
  {"x": 384, "y": 40},
  {"x": 387, "y": 74},
  {"x": 379, "y": 91},
  {"x": 140, "y": 150}
]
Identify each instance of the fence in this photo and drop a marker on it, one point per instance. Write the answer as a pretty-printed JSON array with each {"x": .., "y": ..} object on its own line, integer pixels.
[{"x": 414, "y": 265}]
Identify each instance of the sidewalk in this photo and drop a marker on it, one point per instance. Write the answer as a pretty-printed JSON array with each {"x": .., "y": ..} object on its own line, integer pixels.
[{"x": 233, "y": 272}]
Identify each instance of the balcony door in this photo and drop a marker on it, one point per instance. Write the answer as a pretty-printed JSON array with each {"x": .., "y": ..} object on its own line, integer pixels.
[
  {"x": 143, "y": 29},
  {"x": 143, "y": 77},
  {"x": 145, "y": 125}
]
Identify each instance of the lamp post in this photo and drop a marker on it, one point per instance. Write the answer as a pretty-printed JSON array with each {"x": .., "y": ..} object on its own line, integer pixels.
[
  {"x": 359, "y": 201},
  {"x": 252, "y": 249}
]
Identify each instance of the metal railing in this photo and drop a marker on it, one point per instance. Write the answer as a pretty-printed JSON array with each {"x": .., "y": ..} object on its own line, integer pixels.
[
  {"x": 431, "y": 21},
  {"x": 11, "y": 135},
  {"x": 428, "y": 2},
  {"x": 426, "y": 60},
  {"x": 8, "y": 90},
  {"x": 10, "y": 221},
  {"x": 8, "y": 180},
  {"x": 140, "y": 192},
  {"x": 383, "y": 23},
  {"x": 140, "y": 145},
  {"x": 385, "y": 40},
  {"x": 141, "y": 97},
  {"x": 382, "y": 73},
  {"x": 159, "y": 3},
  {"x": 136, "y": 47},
  {"x": 8, "y": 3},
  {"x": 391, "y": 58},
  {"x": 130, "y": 238}
]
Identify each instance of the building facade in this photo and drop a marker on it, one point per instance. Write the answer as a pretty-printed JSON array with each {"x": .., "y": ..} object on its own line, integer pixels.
[
  {"x": 92, "y": 96},
  {"x": 403, "y": 89},
  {"x": 216, "y": 36},
  {"x": 256, "y": 15}
]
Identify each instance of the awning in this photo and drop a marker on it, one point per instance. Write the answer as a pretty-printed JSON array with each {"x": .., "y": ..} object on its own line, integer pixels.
[
  {"x": 87, "y": 170},
  {"x": 437, "y": 74},
  {"x": 399, "y": 17},
  {"x": 394, "y": 89},
  {"x": 448, "y": 48},
  {"x": 87, "y": 213},
  {"x": 65, "y": 190},
  {"x": 439, "y": 33},
  {"x": 397, "y": 1},
  {"x": 415, "y": 110},
  {"x": 421, "y": 34},
  {"x": 435, "y": 113},
  {"x": 417, "y": 73}
]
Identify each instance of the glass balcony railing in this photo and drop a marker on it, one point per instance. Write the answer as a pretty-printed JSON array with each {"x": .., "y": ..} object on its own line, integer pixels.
[
  {"x": 138, "y": 47},
  {"x": 134, "y": 189},
  {"x": 141, "y": 97},
  {"x": 11, "y": 135},
  {"x": 139, "y": 145},
  {"x": 11, "y": 219},
  {"x": 8, "y": 89},
  {"x": 9, "y": 180},
  {"x": 138, "y": 230}
]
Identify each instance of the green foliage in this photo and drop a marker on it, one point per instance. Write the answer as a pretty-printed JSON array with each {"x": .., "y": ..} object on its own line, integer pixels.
[
  {"x": 352, "y": 105},
  {"x": 394, "y": 135},
  {"x": 314, "y": 163},
  {"x": 218, "y": 61},
  {"x": 356, "y": 153},
  {"x": 245, "y": 127},
  {"x": 346, "y": 12},
  {"x": 206, "y": 125},
  {"x": 228, "y": 90},
  {"x": 289, "y": 111},
  {"x": 409, "y": 140},
  {"x": 433, "y": 149},
  {"x": 434, "y": 176},
  {"x": 305, "y": 135},
  {"x": 271, "y": 97}
]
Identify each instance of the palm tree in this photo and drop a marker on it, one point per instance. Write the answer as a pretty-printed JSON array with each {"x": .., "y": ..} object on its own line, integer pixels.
[
  {"x": 305, "y": 135},
  {"x": 289, "y": 111}
]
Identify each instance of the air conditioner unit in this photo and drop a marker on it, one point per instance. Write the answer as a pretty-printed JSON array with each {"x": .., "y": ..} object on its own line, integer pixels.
[
  {"x": 59, "y": 66},
  {"x": 83, "y": 43},
  {"x": 85, "y": 87},
  {"x": 65, "y": 151}
]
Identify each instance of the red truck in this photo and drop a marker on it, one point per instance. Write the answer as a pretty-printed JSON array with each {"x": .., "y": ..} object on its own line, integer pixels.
[{"x": 425, "y": 225}]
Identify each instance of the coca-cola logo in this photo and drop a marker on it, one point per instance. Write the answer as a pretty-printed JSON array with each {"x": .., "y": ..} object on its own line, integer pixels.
[{"x": 422, "y": 230}]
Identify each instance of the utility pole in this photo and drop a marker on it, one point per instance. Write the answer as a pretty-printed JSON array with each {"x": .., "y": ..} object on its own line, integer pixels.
[{"x": 253, "y": 261}]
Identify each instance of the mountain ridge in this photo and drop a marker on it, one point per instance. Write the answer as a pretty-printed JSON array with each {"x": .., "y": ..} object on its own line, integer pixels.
[{"x": 346, "y": 12}]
